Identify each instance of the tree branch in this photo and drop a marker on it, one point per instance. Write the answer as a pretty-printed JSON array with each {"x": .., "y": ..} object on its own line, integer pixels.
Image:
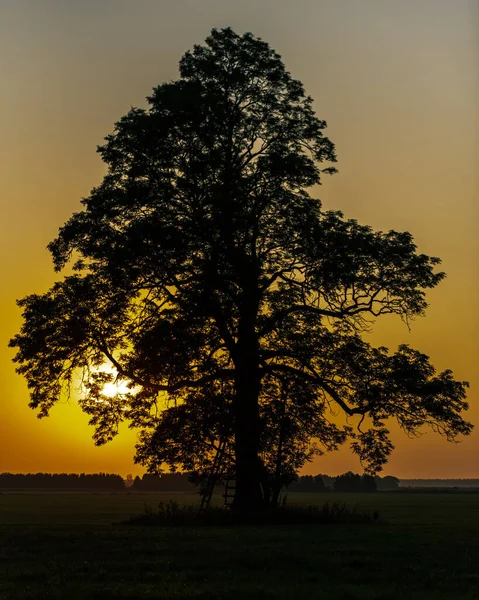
[
  {"x": 221, "y": 374},
  {"x": 322, "y": 384}
]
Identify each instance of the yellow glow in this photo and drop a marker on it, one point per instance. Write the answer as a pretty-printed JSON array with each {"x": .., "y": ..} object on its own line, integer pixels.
[
  {"x": 112, "y": 389},
  {"x": 117, "y": 386}
]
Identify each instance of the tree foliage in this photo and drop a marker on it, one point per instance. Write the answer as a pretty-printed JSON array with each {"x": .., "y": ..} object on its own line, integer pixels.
[
  {"x": 352, "y": 482},
  {"x": 211, "y": 280}
]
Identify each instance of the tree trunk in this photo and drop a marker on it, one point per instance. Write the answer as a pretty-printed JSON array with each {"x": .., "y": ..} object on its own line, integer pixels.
[
  {"x": 278, "y": 484},
  {"x": 248, "y": 495},
  {"x": 278, "y": 481}
]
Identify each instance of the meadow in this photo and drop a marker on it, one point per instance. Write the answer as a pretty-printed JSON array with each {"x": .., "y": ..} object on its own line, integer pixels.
[{"x": 57, "y": 545}]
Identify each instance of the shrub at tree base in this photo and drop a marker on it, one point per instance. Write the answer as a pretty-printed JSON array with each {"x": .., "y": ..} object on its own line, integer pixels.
[{"x": 173, "y": 514}]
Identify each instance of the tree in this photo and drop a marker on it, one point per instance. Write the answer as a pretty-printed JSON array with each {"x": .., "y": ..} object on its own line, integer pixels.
[
  {"x": 308, "y": 483},
  {"x": 348, "y": 482},
  {"x": 368, "y": 483},
  {"x": 387, "y": 483},
  {"x": 352, "y": 482},
  {"x": 219, "y": 289}
]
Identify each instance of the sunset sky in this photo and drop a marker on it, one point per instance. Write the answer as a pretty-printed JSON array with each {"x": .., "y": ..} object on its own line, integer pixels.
[{"x": 398, "y": 84}]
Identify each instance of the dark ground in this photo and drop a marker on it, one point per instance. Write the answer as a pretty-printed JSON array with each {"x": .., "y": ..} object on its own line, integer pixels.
[{"x": 63, "y": 545}]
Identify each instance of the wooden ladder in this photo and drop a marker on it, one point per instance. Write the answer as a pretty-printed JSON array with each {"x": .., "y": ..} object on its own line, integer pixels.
[
  {"x": 214, "y": 476},
  {"x": 230, "y": 489}
]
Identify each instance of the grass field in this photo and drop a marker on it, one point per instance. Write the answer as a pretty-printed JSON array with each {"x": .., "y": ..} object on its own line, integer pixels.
[{"x": 65, "y": 545}]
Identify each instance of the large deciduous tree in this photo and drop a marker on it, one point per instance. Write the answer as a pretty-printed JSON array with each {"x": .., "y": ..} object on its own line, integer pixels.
[{"x": 205, "y": 273}]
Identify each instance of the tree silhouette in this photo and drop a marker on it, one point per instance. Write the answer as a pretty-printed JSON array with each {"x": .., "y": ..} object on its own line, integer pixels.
[
  {"x": 205, "y": 273},
  {"x": 387, "y": 483},
  {"x": 348, "y": 482},
  {"x": 308, "y": 483},
  {"x": 352, "y": 482}
]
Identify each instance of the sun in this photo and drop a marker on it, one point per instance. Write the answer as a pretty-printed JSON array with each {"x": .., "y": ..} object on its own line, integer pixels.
[
  {"x": 116, "y": 386},
  {"x": 112, "y": 389}
]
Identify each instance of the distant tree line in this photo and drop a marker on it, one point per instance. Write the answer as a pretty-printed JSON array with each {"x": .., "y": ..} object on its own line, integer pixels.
[
  {"x": 310, "y": 483},
  {"x": 181, "y": 482},
  {"x": 352, "y": 482},
  {"x": 440, "y": 483},
  {"x": 61, "y": 481},
  {"x": 169, "y": 482},
  {"x": 387, "y": 483},
  {"x": 347, "y": 482}
]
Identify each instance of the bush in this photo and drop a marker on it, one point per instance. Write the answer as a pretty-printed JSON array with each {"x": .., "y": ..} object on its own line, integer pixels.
[{"x": 173, "y": 514}]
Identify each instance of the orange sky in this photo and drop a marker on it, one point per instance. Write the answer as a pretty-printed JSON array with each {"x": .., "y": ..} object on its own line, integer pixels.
[{"x": 397, "y": 82}]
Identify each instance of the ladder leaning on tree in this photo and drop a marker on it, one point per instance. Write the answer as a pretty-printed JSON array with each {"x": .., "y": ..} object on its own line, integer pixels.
[{"x": 218, "y": 474}]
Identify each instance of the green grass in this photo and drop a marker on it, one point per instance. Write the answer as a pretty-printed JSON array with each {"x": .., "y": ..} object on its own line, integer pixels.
[{"x": 56, "y": 545}]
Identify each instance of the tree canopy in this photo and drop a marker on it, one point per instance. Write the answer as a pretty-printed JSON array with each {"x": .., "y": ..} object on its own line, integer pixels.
[{"x": 221, "y": 291}]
